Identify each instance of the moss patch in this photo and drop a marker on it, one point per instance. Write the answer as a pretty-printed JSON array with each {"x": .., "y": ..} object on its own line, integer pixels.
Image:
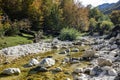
[{"x": 26, "y": 75}]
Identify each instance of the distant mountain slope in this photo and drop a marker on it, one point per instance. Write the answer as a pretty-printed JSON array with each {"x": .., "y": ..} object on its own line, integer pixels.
[
  {"x": 108, "y": 8},
  {"x": 105, "y": 6}
]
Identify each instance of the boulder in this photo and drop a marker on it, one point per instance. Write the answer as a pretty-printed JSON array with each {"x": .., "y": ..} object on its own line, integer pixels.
[
  {"x": 58, "y": 69},
  {"x": 11, "y": 71},
  {"x": 66, "y": 60},
  {"x": 75, "y": 50},
  {"x": 106, "y": 68},
  {"x": 118, "y": 36},
  {"x": 96, "y": 71},
  {"x": 89, "y": 54},
  {"x": 112, "y": 72},
  {"x": 92, "y": 73},
  {"x": 63, "y": 52},
  {"x": 33, "y": 62},
  {"x": 67, "y": 50},
  {"x": 67, "y": 79},
  {"x": 104, "y": 62},
  {"x": 87, "y": 71},
  {"x": 55, "y": 41},
  {"x": 77, "y": 43},
  {"x": 81, "y": 77},
  {"x": 74, "y": 60},
  {"x": 55, "y": 47},
  {"x": 78, "y": 70},
  {"x": 64, "y": 47},
  {"x": 47, "y": 62},
  {"x": 113, "y": 47}
]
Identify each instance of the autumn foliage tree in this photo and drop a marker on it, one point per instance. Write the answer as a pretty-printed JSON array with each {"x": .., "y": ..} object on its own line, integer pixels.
[
  {"x": 115, "y": 17},
  {"x": 75, "y": 15}
]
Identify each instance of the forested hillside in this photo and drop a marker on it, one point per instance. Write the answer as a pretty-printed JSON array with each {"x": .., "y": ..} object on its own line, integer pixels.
[{"x": 108, "y": 8}]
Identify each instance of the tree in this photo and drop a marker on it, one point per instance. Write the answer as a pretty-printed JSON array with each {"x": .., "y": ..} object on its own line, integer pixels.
[
  {"x": 104, "y": 18},
  {"x": 22, "y": 9},
  {"x": 12, "y": 7},
  {"x": 95, "y": 13},
  {"x": 92, "y": 25},
  {"x": 54, "y": 21},
  {"x": 35, "y": 15},
  {"x": 115, "y": 17},
  {"x": 75, "y": 15},
  {"x": 105, "y": 27}
]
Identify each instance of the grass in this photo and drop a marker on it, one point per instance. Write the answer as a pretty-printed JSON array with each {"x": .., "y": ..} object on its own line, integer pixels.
[
  {"x": 26, "y": 75},
  {"x": 13, "y": 41}
]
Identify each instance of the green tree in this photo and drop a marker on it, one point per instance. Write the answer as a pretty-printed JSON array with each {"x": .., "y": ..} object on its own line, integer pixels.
[
  {"x": 95, "y": 13},
  {"x": 54, "y": 21},
  {"x": 104, "y": 18},
  {"x": 105, "y": 27},
  {"x": 16, "y": 9},
  {"x": 92, "y": 25}
]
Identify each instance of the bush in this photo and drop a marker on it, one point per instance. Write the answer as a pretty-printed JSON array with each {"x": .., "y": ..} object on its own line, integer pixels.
[
  {"x": 105, "y": 27},
  {"x": 3, "y": 28},
  {"x": 68, "y": 34},
  {"x": 12, "y": 30}
]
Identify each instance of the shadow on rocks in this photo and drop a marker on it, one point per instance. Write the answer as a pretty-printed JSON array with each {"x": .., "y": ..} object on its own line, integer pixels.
[
  {"x": 117, "y": 77},
  {"x": 5, "y": 75},
  {"x": 38, "y": 69}
]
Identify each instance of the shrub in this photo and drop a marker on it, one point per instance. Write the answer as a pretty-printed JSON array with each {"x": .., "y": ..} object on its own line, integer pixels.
[
  {"x": 105, "y": 27},
  {"x": 68, "y": 34},
  {"x": 12, "y": 30},
  {"x": 3, "y": 28}
]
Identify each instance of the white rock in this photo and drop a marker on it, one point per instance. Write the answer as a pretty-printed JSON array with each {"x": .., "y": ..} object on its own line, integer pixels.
[
  {"x": 10, "y": 71},
  {"x": 66, "y": 60},
  {"x": 21, "y": 50},
  {"x": 67, "y": 79},
  {"x": 104, "y": 62},
  {"x": 118, "y": 36},
  {"x": 47, "y": 62},
  {"x": 78, "y": 70},
  {"x": 114, "y": 46},
  {"x": 63, "y": 52},
  {"x": 89, "y": 53},
  {"x": 92, "y": 73},
  {"x": 55, "y": 47},
  {"x": 112, "y": 72},
  {"x": 33, "y": 62},
  {"x": 81, "y": 77}
]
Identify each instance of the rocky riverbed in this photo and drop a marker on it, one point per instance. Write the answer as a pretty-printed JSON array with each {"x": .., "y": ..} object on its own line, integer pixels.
[{"x": 102, "y": 54}]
